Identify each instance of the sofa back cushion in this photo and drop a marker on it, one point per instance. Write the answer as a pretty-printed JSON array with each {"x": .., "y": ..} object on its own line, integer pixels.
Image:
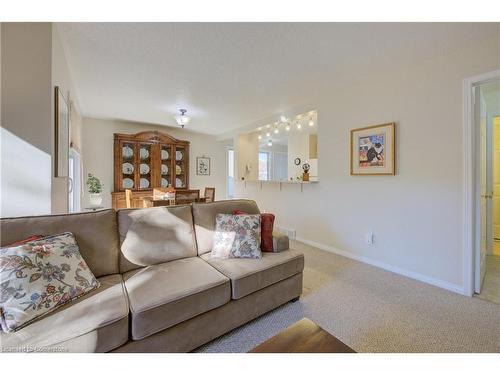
[
  {"x": 155, "y": 235},
  {"x": 204, "y": 215},
  {"x": 95, "y": 232}
]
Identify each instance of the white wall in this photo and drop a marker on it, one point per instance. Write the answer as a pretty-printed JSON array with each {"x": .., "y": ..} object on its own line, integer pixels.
[
  {"x": 97, "y": 144},
  {"x": 416, "y": 216},
  {"x": 33, "y": 62},
  {"x": 26, "y": 120},
  {"x": 246, "y": 155},
  {"x": 61, "y": 76}
]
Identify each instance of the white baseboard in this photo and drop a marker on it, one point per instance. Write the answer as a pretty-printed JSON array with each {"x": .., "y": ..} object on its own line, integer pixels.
[{"x": 412, "y": 275}]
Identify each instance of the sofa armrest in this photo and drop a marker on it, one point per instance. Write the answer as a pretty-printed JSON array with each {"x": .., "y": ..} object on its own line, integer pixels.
[{"x": 280, "y": 242}]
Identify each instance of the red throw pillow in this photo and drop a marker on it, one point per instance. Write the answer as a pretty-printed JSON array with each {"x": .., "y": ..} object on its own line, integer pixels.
[
  {"x": 266, "y": 230},
  {"x": 31, "y": 238}
]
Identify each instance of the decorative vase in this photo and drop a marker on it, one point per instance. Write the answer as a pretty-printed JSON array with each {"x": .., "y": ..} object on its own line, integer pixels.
[{"x": 95, "y": 199}]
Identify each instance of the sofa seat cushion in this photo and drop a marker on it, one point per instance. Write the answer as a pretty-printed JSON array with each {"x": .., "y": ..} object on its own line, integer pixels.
[
  {"x": 250, "y": 275},
  {"x": 79, "y": 325},
  {"x": 166, "y": 294}
]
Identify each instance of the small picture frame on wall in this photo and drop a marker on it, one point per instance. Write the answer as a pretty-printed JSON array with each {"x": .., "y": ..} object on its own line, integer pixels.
[
  {"x": 61, "y": 134},
  {"x": 373, "y": 150},
  {"x": 203, "y": 166}
]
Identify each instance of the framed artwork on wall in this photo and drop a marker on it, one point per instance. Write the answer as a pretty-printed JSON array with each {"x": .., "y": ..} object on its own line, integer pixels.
[
  {"x": 373, "y": 150},
  {"x": 203, "y": 166},
  {"x": 61, "y": 134}
]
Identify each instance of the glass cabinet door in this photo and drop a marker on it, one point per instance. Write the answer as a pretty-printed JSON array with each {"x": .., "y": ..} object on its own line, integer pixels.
[
  {"x": 145, "y": 165},
  {"x": 180, "y": 168},
  {"x": 127, "y": 165},
  {"x": 165, "y": 165}
]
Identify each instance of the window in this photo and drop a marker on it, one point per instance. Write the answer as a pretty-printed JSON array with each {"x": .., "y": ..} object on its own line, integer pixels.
[{"x": 75, "y": 181}]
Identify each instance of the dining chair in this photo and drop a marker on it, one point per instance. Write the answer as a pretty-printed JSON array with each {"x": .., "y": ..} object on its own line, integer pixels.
[
  {"x": 128, "y": 198},
  {"x": 209, "y": 194},
  {"x": 186, "y": 196}
]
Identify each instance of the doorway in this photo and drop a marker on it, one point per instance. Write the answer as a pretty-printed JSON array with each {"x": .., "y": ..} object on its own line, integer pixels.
[{"x": 482, "y": 189}]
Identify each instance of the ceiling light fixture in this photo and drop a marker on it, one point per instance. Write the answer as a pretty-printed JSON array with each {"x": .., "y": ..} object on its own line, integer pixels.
[
  {"x": 260, "y": 136},
  {"x": 182, "y": 119},
  {"x": 283, "y": 118},
  {"x": 269, "y": 143},
  {"x": 276, "y": 131},
  {"x": 311, "y": 121},
  {"x": 299, "y": 125},
  {"x": 287, "y": 127},
  {"x": 268, "y": 134}
]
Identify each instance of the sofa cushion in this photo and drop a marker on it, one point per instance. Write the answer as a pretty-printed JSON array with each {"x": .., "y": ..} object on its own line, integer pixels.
[
  {"x": 39, "y": 277},
  {"x": 95, "y": 232},
  {"x": 250, "y": 275},
  {"x": 204, "y": 219},
  {"x": 155, "y": 235},
  {"x": 166, "y": 294},
  {"x": 237, "y": 236},
  {"x": 79, "y": 325}
]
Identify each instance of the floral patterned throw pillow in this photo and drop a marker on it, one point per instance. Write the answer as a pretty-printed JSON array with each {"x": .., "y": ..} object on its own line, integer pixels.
[
  {"x": 38, "y": 277},
  {"x": 237, "y": 236}
]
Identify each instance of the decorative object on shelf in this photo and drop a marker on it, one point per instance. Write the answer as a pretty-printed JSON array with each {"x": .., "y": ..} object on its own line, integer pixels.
[
  {"x": 178, "y": 170},
  {"x": 127, "y": 168},
  {"x": 164, "y": 155},
  {"x": 144, "y": 183},
  {"x": 128, "y": 183},
  {"x": 152, "y": 156},
  {"x": 373, "y": 150},
  {"x": 61, "y": 134},
  {"x": 178, "y": 183},
  {"x": 305, "y": 167},
  {"x": 144, "y": 168},
  {"x": 127, "y": 151},
  {"x": 144, "y": 153},
  {"x": 182, "y": 119},
  {"x": 297, "y": 161},
  {"x": 203, "y": 166},
  {"x": 95, "y": 189}
]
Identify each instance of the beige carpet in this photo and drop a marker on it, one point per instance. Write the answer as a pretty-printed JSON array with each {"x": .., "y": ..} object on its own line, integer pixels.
[{"x": 373, "y": 310}]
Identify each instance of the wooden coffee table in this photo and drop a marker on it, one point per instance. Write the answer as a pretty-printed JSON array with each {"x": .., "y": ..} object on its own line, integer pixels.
[{"x": 303, "y": 337}]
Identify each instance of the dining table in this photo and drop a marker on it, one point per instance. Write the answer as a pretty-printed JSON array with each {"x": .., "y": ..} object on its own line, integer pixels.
[{"x": 151, "y": 202}]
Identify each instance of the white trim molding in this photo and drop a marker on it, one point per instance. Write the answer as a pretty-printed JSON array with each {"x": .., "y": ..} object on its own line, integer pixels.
[
  {"x": 469, "y": 178},
  {"x": 388, "y": 267}
]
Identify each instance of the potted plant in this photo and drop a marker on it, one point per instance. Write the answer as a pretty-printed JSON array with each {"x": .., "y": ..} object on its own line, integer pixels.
[{"x": 95, "y": 190}]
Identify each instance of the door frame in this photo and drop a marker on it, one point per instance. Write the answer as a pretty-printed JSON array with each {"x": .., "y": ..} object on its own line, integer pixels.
[{"x": 470, "y": 189}]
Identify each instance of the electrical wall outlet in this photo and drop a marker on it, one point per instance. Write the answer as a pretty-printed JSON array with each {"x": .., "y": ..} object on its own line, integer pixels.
[{"x": 369, "y": 237}]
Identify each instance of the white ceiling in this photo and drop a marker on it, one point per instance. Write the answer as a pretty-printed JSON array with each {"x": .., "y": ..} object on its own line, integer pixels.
[{"x": 229, "y": 75}]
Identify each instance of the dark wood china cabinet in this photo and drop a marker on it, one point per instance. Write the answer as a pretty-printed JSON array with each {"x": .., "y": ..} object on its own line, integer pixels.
[{"x": 147, "y": 160}]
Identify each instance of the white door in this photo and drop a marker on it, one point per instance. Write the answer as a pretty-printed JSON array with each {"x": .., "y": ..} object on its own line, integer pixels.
[
  {"x": 482, "y": 222},
  {"x": 496, "y": 187}
]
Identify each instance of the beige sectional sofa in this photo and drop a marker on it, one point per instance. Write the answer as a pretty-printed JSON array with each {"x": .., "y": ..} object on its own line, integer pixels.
[{"x": 160, "y": 290}]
